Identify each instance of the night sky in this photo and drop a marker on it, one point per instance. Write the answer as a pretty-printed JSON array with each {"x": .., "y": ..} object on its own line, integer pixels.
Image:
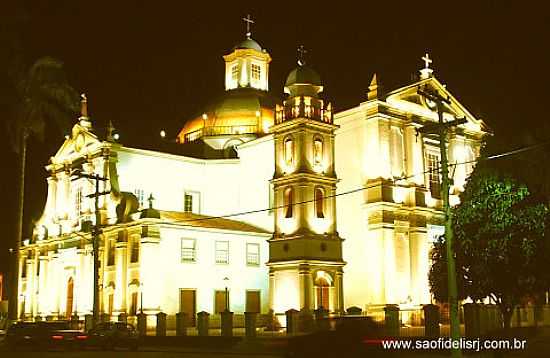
[{"x": 150, "y": 65}]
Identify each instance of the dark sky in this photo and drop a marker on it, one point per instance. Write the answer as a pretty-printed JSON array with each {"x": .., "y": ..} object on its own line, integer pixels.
[{"x": 148, "y": 65}]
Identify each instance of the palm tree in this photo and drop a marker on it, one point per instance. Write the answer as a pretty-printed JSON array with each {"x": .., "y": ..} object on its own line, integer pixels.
[{"x": 43, "y": 96}]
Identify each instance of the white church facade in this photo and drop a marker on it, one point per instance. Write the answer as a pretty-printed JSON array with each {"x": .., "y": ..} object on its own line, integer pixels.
[{"x": 259, "y": 204}]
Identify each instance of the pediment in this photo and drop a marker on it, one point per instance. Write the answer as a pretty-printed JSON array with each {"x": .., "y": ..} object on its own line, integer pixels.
[
  {"x": 407, "y": 98},
  {"x": 77, "y": 144}
]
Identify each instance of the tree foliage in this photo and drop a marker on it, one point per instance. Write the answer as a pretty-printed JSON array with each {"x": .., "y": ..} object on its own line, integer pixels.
[{"x": 500, "y": 243}]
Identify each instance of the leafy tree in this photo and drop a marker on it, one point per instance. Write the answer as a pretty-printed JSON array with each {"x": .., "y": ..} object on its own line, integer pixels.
[
  {"x": 500, "y": 243},
  {"x": 42, "y": 96}
]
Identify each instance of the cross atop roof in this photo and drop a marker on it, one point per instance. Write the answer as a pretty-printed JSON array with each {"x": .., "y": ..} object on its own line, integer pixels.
[
  {"x": 248, "y": 20},
  {"x": 427, "y": 60},
  {"x": 301, "y": 55}
]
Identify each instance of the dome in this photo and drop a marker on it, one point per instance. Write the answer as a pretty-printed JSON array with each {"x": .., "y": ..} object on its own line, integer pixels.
[
  {"x": 248, "y": 44},
  {"x": 303, "y": 75},
  {"x": 238, "y": 108}
]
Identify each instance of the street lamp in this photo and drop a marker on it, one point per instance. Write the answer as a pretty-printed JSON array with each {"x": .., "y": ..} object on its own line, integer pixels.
[{"x": 226, "y": 280}]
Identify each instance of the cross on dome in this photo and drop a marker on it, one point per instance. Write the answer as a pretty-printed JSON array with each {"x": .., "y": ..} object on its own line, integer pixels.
[
  {"x": 427, "y": 60},
  {"x": 301, "y": 55},
  {"x": 248, "y": 20}
]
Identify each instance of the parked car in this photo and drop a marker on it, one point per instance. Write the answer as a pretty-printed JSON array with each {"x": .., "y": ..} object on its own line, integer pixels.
[
  {"x": 43, "y": 335},
  {"x": 351, "y": 337},
  {"x": 109, "y": 335}
]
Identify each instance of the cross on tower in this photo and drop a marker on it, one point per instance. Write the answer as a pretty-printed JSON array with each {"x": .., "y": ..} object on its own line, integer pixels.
[
  {"x": 248, "y": 20},
  {"x": 301, "y": 54},
  {"x": 427, "y": 60}
]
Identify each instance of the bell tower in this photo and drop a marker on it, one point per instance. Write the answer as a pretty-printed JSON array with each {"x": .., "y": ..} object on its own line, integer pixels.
[{"x": 305, "y": 254}]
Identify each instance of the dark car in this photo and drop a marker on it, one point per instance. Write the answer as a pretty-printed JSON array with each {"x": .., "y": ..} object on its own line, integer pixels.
[
  {"x": 351, "y": 337},
  {"x": 43, "y": 335},
  {"x": 109, "y": 335}
]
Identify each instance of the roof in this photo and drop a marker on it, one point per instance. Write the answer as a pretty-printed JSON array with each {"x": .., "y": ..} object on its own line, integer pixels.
[
  {"x": 210, "y": 222},
  {"x": 248, "y": 44},
  {"x": 303, "y": 75},
  {"x": 196, "y": 149}
]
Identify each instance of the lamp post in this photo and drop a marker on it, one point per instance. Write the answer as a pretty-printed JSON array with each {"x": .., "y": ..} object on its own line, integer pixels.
[
  {"x": 226, "y": 280},
  {"x": 141, "y": 297}
]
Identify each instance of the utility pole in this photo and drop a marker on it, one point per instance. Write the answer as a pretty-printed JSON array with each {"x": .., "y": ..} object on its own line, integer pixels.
[
  {"x": 96, "y": 231},
  {"x": 441, "y": 128}
]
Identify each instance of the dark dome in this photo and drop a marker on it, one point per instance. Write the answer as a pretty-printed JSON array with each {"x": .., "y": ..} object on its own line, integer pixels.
[
  {"x": 303, "y": 75},
  {"x": 248, "y": 44}
]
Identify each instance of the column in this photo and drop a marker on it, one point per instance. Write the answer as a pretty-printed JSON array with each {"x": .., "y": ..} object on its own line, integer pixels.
[
  {"x": 121, "y": 283},
  {"x": 391, "y": 286},
  {"x": 339, "y": 294},
  {"x": 53, "y": 283},
  {"x": 79, "y": 297},
  {"x": 87, "y": 286},
  {"x": 306, "y": 287},
  {"x": 271, "y": 289},
  {"x": 419, "y": 261},
  {"x": 413, "y": 155},
  {"x": 150, "y": 270},
  {"x": 31, "y": 287},
  {"x": 43, "y": 308},
  {"x": 52, "y": 196}
]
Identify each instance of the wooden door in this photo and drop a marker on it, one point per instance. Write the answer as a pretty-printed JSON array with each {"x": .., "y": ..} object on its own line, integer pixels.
[
  {"x": 253, "y": 301},
  {"x": 220, "y": 302},
  {"x": 323, "y": 299},
  {"x": 188, "y": 304}
]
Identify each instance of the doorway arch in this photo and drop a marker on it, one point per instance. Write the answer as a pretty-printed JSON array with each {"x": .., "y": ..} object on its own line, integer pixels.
[{"x": 323, "y": 283}]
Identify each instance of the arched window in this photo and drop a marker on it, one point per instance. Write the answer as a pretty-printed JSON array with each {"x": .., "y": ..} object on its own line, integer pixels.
[
  {"x": 317, "y": 151},
  {"x": 289, "y": 202},
  {"x": 319, "y": 202},
  {"x": 289, "y": 151}
]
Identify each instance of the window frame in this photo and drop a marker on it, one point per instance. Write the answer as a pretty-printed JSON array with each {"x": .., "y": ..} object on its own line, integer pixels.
[
  {"x": 288, "y": 201},
  {"x": 217, "y": 251},
  {"x": 255, "y": 262},
  {"x": 319, "y": 202},
  {"x": 193, "y": 250}
]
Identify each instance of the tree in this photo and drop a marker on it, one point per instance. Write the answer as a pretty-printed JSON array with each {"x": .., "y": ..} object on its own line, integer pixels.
[
  {"x": 500, "y": 242},
  {"x": 43, "y": 95}
]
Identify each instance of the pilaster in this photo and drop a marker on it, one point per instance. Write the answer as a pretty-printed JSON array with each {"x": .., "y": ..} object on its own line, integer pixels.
[{"x": 121, "y": 281}]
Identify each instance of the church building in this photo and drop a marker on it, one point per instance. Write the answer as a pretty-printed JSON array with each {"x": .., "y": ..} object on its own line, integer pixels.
[{"x": 257, "y": 204}]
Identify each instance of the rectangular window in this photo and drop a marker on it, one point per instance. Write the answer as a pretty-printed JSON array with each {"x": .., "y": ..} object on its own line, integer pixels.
[
  {"x": 134, "y": 256},
  {"x": 188, "y": 250},
  {"x": 222, "y": 252},
  {"x": 235, "y": 73},
  {"x": 221, "y": 301},
  {"x": 78, "y": 201},
  {"x": 188, "y": 203},
  {"x": 140, "y": 195},
  {"x": 432, "y": 173},
  {"x": 253, "y": 254},
  {"x": 397, "y": 152},
  {"x": 24, "y": 268},
  {"x": 110, "y": 252},
  {"x": 253, "y": 301},
  {"x": 255, "y": 69}
]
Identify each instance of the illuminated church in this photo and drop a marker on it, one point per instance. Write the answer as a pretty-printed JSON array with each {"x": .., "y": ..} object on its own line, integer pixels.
[{"x": 278, "y": 204}]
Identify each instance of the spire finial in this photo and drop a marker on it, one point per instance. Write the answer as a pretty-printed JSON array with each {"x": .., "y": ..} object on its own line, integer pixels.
[
  {"x": 301, "y": 55},
  {"x": 373, "y": 88},
  {"x": 83, "y": 106},
  {"x": 150, "y": 199},
  {"x": 248, "y": 20},
  {"x": 426, "y": 72}
]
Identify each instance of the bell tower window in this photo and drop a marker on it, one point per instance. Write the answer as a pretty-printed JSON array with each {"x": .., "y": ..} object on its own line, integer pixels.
[
  {"x": 289, "y": 202},
  {"x": 289, "y": 149},
  {"x": 318, "y": 151},
  {"x": 235, "y": 73},
  {"x": 255, "y": 72},
  {"x": 319, "y": 202}
]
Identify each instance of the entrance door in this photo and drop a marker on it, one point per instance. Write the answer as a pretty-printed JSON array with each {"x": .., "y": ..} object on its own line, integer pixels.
[
  {"x": 70, "y": 294},
  {"x": 253, "y": 301},
  {"x": 221, "y": 301},
  {"x": 188, "y": 304},
  {"x": 323, "y": 297}
]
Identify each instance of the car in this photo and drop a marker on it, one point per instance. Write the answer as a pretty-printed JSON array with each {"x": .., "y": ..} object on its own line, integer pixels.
[
  {"x": 109, "y": 335},
  {"x": 351, "y": 337},
  {"x": 44, "y": 335}
]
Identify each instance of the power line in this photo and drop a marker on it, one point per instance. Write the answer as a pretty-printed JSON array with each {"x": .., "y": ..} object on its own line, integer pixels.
[{"x": 491, "y": 157}]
